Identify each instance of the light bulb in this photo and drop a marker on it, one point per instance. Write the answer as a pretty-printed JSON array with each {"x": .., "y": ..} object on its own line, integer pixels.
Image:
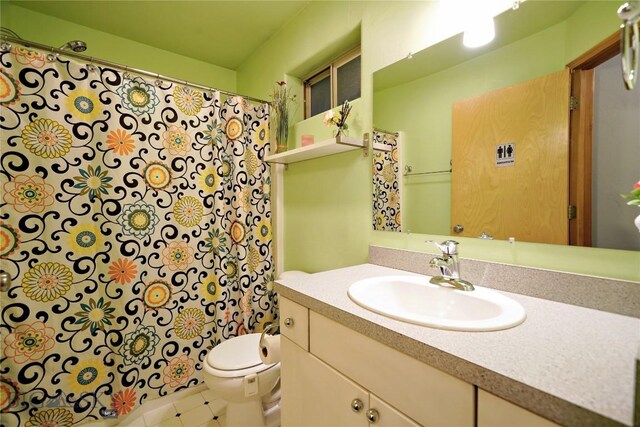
[{"x": 479, "y": 32}]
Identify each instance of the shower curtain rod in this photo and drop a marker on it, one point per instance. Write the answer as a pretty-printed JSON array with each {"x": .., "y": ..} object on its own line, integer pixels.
[{"x": 92, "y": 60}]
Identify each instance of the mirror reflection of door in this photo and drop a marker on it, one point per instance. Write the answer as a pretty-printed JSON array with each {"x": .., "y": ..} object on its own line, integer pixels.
[
  {"x": 415, "y": 96},
  {"x": 510, "y": 151},
  {"x": 605, "y": 150}
]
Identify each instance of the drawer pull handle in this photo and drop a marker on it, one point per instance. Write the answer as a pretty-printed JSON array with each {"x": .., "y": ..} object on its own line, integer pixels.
[
  {"x": 357, "y": 405},
  {"x": 288, "y": 322},
  {"x": 373, "y": 416}
]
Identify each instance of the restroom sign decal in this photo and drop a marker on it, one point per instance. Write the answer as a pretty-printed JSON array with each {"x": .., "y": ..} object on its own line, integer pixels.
[{"x": 505, "y": 155}]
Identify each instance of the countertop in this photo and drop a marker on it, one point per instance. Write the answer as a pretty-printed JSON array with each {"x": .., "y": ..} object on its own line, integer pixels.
[{"x": 573, "y": 365}]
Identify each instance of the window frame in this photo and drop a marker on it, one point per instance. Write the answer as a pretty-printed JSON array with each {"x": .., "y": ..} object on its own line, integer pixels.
[
  {"x": 321, "y": 75},
  {"x": 330, "y": 70}
]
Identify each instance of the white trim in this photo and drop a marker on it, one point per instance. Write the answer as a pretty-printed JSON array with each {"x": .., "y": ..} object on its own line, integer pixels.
[
  {"x": 400, "y": 178},
  {"x": 277, "y": 209}
]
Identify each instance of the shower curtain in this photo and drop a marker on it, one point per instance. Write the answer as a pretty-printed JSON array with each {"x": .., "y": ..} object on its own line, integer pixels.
[
  {"x": 135, "y": 222},
  {"x": 386, "y": 184}
]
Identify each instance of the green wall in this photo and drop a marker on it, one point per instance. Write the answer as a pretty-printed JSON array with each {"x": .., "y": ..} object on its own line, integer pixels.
[
  {"x": 52, "y": 31},
  {"x": 590, "y": 24},
  {"x": 326, "y": 201},
  {"x": 327, "y": 206}
]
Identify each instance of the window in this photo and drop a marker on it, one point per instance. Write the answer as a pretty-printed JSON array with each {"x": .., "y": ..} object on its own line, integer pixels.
[{"x": 331, "y": 86}]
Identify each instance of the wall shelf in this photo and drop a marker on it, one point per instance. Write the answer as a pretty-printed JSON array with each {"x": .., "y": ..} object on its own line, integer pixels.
[
  {"x": 339, "y": 144},
  {"x": 378, "y": 146}
]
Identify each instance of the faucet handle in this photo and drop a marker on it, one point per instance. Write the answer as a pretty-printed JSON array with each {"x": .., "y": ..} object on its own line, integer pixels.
[{"x": 448, "y": 247}]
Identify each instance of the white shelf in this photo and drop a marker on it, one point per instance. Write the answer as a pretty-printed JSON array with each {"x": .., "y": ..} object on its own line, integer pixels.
[
  {"x": 378, "y": 146},
  {"x": 328, "y": 147}
]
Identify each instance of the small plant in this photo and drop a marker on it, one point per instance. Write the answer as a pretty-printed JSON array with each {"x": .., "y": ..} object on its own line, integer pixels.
[
  {"x": 339, "y": 119},
  {"x": 634, "y": 196},
  {"x": 281, "y": 100}
]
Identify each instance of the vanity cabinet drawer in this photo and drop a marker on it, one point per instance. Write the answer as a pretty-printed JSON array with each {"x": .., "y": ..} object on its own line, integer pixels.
[
  {"x": 294, "y": 322},
  {"x": 496, "y": 412},
  {"x": 315, "y": 395},
  {"x": 425, "y": 394}
]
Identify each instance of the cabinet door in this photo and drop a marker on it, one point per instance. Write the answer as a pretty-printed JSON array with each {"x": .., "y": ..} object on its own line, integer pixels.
[
  {"x": 389, "y": 416},
  {"x": 314, "y": 394},
  {"x": 294, "y": 322},
  {"x": 427, "y": 395},
  {"x": 496, "y": 412}
]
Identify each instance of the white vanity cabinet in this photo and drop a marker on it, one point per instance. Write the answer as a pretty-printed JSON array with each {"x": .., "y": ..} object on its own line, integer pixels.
[
  {"x": 318, "y": 395},
  {"x": 496, "y": 412},
  {"x": 319, "y": 386},
  {"x": 436, "y": 377},
  {"x": 294, "y": 322}
]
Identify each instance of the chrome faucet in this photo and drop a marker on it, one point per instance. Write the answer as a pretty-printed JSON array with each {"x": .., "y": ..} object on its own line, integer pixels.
[
  {"x": 630, "y": 42},
  {"x": 449, "y": 266}
]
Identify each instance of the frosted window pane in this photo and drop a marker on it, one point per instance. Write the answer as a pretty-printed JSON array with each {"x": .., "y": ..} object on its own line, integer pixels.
[
  {"x": 349, "y": 81},
  {"x": 321, "y": 96}
]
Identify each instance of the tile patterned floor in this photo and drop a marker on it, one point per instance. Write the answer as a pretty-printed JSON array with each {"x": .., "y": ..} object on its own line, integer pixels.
[{"x": 198, "y": 410}]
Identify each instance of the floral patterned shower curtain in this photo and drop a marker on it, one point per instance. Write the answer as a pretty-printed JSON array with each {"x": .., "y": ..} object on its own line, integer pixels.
[
  {"x": 386, "y": 184},
  {"x": 135, "y": 223}
]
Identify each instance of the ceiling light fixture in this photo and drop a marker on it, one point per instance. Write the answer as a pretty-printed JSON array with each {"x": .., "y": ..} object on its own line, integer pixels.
[{"x": 479, "y": 32}]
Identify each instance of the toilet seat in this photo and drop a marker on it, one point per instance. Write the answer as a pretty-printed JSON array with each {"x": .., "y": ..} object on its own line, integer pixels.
[{"x": 236, "y": 357}]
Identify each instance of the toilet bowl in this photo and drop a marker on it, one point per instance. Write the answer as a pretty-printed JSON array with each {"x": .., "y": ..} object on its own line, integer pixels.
[{"x": 233, "y": 370}]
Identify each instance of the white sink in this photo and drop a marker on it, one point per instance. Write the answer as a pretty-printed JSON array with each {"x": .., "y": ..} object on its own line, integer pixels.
[{"x": 413, "y": 299}]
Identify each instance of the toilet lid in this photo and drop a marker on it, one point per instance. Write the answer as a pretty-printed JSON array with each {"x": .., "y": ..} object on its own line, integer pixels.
[{"x": 236, "y": 353}]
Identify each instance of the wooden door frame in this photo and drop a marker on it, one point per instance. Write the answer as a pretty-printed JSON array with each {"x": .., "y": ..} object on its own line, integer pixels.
[{"x": 580, "y": 136}]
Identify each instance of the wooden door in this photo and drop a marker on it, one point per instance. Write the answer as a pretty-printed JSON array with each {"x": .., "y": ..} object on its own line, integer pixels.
[
  {"x": 582, "y": 71},
  {"x": 314, "y": 394},
  {"x": 527, "y": 199}
]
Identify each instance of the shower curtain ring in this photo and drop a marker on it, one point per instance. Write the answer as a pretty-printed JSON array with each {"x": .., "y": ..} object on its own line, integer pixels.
[
  {"x": 52, "y": 56},
  {"x": 90, "y": 65}
]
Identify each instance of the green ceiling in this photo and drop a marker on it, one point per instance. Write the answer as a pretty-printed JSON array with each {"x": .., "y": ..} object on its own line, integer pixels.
[{"x": 223, "y": 33}]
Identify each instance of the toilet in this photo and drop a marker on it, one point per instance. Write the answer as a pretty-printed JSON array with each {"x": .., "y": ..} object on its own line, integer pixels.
[{"x": 234, "y": 371}]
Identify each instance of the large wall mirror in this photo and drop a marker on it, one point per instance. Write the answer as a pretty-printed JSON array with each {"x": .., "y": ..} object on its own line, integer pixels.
[{"x": 476, "y": 142}]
